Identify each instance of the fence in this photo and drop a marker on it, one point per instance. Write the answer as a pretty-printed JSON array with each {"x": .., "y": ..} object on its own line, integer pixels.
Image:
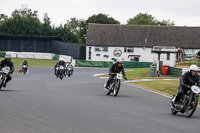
[
  {"x": 129, "y": 64},
  {"x": 106, "y": 64},
  {"x": 41, "y": 45},
  {"x": 174, "y": 71},
  {"x": 93, "y": 63}
]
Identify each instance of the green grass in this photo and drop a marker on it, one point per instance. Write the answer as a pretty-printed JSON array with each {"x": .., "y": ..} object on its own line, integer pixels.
[
  {"x": 194, "y": 61},
  {"x": 169, "y": 88},
  {"x": 140, "y": 73},
  {"x": 164, "y": 86},
  {"x": 33, "y": 62}
]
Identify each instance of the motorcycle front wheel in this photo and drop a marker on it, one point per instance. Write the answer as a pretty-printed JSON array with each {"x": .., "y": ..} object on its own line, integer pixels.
[
  {"x": 3, "y": 77},
  {"x": 192, "y": 106},
  {"x": 117, "y": 87}
]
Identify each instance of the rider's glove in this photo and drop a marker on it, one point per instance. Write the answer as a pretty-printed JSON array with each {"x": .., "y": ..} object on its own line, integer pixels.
[{"x": 125, "y": 78}]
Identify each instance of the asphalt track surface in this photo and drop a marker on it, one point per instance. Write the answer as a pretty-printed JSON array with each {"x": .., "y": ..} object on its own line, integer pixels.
[{"x": 41, "y": 103}]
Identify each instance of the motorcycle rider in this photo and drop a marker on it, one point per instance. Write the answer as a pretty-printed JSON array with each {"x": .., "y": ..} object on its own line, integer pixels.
[
  {"x": 7, "y": 62},
  {"x": 115, "y": 68},
  {"x": 71, "y": 66},
  {"x": 188, "y": 79},
  {"x": 60, "y": 63},
  {"x": 25, "y": 63}
]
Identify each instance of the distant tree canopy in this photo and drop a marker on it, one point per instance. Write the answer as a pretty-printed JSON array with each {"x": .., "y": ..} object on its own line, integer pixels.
[
  {"x": 99, "y": 19},
  {"x": 26, "y": 22},
  {"x": 146, "y": 19}
]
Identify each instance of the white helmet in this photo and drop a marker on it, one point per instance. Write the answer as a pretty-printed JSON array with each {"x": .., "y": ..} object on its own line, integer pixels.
[
  {"x": 61, "y": 59},
  {"x": 119, "y": 61},
  {"x": 193, "y": 68}
]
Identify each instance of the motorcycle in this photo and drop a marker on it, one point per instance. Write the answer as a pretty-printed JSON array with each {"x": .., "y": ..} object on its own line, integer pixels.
[
  {"x": 69, "y": 71},
  {"x": 24, "y": 69},
  {"x": 57, "y": 72},
  {"x": 114, "y": 84},
  {"x": 60, "y": 72},
  {"x": 187, "y": 103},
  {"x": 3, "y": 75}
]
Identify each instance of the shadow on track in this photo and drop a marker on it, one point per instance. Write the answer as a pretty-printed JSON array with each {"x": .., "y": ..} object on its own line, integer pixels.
[{"x": 10, "y": 91}]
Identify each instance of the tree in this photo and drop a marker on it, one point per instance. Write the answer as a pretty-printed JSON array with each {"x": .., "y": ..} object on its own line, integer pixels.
[
  {"x": 65, "y": 33},
  {"x": 146, "y": 19},
  {"x": 47, "y": 30},
  {"x": 22, "y": 22},
  {"x": 3, "y": 17},
  {"x": 73, "y": 24},
  {"x": 166, "y": 22},
  {"x": 100, "y": 19}
]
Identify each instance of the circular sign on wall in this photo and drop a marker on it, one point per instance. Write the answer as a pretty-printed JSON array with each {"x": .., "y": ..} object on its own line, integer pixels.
[{"x": 117, "y": 52}]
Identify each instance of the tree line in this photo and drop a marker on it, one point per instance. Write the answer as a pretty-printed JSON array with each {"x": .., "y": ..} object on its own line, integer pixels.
[{"x": 25, "y": 21}]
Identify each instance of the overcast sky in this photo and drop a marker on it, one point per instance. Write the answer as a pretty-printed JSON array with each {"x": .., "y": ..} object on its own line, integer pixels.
[{"x": 182, "y": 12}]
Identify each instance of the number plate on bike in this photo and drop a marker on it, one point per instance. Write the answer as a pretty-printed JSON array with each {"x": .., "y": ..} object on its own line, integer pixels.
[
  {"x": 61, "y": 67},
  {"x": 119, "y": 76}
]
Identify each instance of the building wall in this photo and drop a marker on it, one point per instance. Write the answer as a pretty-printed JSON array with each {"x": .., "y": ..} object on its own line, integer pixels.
[{"x": 145, "y": 54}]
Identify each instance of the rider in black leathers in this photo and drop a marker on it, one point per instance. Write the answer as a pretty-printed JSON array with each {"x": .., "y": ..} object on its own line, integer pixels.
[
  {"x": 116, "y": 68},
  {"x": 25, "y": 63},
  {"x": 7, "y": 62},
  {"x": 188, "y": 79},
  {"x": 60, "y": 63}
]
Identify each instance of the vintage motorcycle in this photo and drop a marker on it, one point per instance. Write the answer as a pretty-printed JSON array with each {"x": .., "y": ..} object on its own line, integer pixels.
[
  {"x": 3, "y": 75},
  {"x": 187, "y": 103},
  {"x": 114, "y": 84},
  {"x": 24, "y": 69}
]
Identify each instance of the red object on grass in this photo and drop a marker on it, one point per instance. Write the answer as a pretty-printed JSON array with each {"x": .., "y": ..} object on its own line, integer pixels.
[
  {"x": 165, "y": 69},
  {"x": 20, "y": 70}
]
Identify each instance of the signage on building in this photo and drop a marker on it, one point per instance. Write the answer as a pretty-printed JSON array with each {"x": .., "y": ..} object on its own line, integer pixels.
[{"x": 117, "y": 52}]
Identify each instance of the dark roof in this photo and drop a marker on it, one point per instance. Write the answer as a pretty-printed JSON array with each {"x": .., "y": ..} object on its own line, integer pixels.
[
  {"x": 29, "y": 38},
  {"x": 135, "y": 36}
]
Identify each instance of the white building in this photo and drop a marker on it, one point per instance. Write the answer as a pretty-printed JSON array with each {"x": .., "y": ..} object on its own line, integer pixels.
[
  {"x": 141, "y": 54},
  {"x": 107, "y": 42}
]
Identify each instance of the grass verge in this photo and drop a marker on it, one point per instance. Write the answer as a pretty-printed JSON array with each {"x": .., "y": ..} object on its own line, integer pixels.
[
  {"x": 140, "y": 73},
  {"x": 33, "y": 62},
  {"x": 166, "y": 87}
]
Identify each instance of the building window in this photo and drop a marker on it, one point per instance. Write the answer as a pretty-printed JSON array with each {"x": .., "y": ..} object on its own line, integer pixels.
[
  {"x": 101, "y": 49},
  {"x": 98, "y": 49},
  {"x": 168, "y": 56},
  {"x": 105, "y": 49},
  {"x": 129, "y": 49}
]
